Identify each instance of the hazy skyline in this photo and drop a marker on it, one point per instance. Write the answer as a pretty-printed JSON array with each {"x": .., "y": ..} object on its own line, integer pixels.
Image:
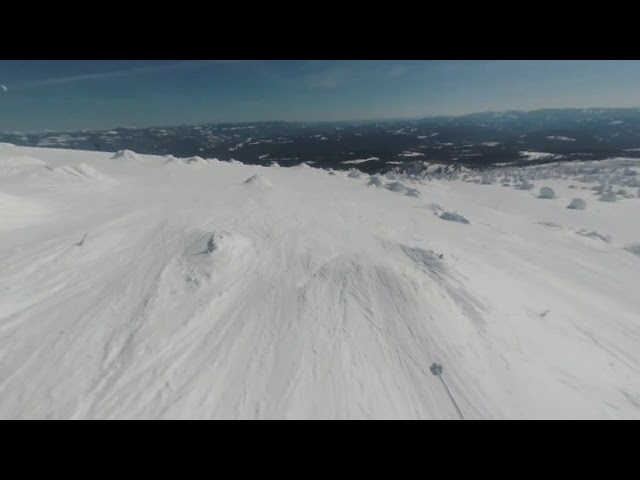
[{"x": 80, "y": 94}]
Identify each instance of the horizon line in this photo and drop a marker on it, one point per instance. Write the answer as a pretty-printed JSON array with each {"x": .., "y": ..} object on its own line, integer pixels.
[{"x": 361, "y": 120}]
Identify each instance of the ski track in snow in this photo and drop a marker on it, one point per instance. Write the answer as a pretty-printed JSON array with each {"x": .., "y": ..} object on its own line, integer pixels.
[{"x": 305, "y": 295}]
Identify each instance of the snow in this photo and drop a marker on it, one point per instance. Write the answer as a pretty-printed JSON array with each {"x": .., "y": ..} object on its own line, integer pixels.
[
  {"x": 376, "y": 181},
  {"x": 454, "y": 217},
  {"x": 126, "y": 154},
  {"x": 189, "y": 162},
  {"x": 258, "y": 180},
  {"x": 538, "y": 155},
  {"x": 411, "y": 154},
  {"x": 360, "y": 160},
  {"x": 577, "y": 204},
  {"x": 524, "y": 184},
  {"x": 608, "y": 197},
  {"x": 241, "y": 144},
  {"x": 19, "y": 163},
  {"x": 400, "y": 187},
  {"x": 178, "y": 292},
  {"x": 594, "y": 235},
  {"x": 547, "y": 192},
  {"x": 561, "y": 138},
  {"x": 17, "y": 212}
]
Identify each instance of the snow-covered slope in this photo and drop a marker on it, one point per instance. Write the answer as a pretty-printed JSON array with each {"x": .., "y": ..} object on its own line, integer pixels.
[{"x": 150, "y": 287}]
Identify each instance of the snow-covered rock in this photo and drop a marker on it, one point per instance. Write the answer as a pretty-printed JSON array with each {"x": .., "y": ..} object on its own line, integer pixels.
[
  {"x": 577, "y": 204},
  {"x": 546, "y": 192},
  {"x": 454, "y": 217},
  {"x": 608, "y": 196}
]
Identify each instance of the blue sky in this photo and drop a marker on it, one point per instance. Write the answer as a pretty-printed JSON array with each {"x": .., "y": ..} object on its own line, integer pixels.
[{"x": 77, "y": 94}]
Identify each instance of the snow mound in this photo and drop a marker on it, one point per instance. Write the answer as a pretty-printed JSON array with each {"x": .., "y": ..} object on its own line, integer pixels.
[
  {"x": 196, "y": 161},
  {"x": 454, "y": 217},
  {"x": 546, "y": 192},
  {"x": 400, "y": 187},
  {"x": 170, "y": 159},
  {"x": 609, "y": 196},
  {"x": 218, "y": 241},
  {"x": 21, "y": 166},
  {"x": 21, "y": 162},
  {"x": 577, "y": 204},
  {"x": 624, "y": 193},
  {"x": 524, "y": 184},
  {"x": 37, "y": 172},
  {"x": 486, "y": 180},
  {"x": 126, "y": 155},
  {"x": 375, "y": 181},
  {"x": 215, "y": 255},
  {"x": 192, "y": 161},
  {"x": 354, "y": 174},
  {"x": 594, "y": 235},
  {"x": 258, "y": 180}
]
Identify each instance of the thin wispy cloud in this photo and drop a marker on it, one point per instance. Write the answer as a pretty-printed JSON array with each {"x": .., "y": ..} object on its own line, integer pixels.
[
  {"x": 351, "y": 72},
  {"x": 329, "y": 79},
  {"x": 339, "y": 74},
  {"x": 125, "y": 73}
]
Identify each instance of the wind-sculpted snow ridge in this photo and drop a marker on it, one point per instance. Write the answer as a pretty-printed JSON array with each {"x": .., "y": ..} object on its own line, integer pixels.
[{"x": 33, "y": 171}]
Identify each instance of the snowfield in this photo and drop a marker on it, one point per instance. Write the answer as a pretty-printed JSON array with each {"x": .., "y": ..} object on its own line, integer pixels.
[{"x": 134, "y": 286}]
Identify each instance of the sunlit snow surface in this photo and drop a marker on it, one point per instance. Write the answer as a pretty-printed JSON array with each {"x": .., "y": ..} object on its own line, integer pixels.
[{"x": 205, "y": 289}]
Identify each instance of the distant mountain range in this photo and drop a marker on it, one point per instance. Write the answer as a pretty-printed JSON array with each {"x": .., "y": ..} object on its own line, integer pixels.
[{"x": 475, "y": 140}]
